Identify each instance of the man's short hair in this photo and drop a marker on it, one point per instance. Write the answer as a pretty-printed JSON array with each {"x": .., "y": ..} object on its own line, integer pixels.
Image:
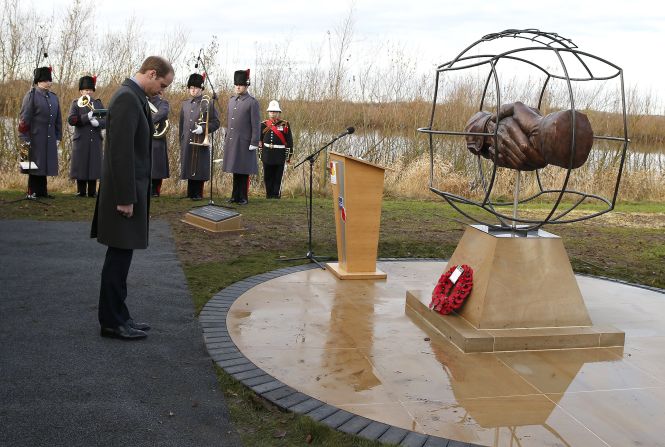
[{"x": 157, "y": 63}]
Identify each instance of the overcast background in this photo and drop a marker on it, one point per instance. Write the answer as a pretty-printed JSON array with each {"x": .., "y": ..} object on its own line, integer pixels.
[{"x": 629, "y": 34}]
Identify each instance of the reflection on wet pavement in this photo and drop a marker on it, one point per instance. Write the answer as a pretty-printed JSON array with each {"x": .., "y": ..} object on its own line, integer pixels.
[{"x": 351, "y": 344}]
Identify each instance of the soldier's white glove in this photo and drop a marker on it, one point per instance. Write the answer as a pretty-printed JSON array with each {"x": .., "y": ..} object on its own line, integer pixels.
[
  {"x": 94, "y": 122},
  {"x": 253, "y": 148},
  {"x": 198, "y": 130},
  {"x": 90, "y": 115}
]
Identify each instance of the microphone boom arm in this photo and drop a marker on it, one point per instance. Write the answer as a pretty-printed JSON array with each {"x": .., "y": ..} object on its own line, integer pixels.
[{"x": 312, "y": 157}]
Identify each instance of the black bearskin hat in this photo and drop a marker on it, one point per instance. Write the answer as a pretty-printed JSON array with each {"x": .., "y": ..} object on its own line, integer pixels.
[
  {"x": 241, "y": 77},
  {"x": 87, "y": 82},
  {"x": 42, "y": 74},
  {"x": 195, "y": 80}
]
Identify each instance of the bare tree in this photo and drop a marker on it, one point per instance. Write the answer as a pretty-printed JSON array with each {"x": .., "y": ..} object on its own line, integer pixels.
[
  {"x": 123, "y": 52},
  {"x": 339, "y": 47},
  {"x": 173, "y": 44},
  {"x": 18, "y": 36},
  {"x": 70, "y": 51}
]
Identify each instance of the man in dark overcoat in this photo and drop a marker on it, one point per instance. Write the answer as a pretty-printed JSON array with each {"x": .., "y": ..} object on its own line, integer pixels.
[
  {"x": 276, "y": 148},
  {"x": 123, "y": 204},
  {"x": 242, "y": 137},
  {"x": 40, "y": 128},
  {"x": 160, "y": 154},
  {"x": 86, "y": 163},
  {"x": 195, "y": 158}
]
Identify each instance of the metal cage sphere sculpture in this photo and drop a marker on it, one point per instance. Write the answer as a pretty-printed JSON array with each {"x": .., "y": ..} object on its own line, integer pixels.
[{"x": 561, "y": 48}]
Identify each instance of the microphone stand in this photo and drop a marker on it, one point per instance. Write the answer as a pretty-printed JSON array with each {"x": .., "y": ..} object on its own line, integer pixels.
[
  {"x": 312, "y": 159},
  {"x": 212, "y": 140}
]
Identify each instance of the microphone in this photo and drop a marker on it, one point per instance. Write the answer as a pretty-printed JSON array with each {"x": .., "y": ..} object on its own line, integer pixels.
[
  {"x": 196, "y": 65},
  {"x": 349, "y": 130}
]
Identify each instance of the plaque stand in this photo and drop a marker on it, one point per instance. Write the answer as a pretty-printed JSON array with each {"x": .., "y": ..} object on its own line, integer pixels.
[
  {"x": 525, "y": 297},
  {"x": 214, "y": 218}
]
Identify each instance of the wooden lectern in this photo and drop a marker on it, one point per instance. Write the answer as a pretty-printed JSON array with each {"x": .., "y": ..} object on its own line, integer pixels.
[{"x": 357, "y": 189}]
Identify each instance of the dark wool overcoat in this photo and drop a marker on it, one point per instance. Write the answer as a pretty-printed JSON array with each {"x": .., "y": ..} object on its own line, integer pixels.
[
  {"x": 125, "y": 170},
  {"x": 243, "y": 129},
  {"x": 86, "y": 163},
  {"x": 41, "y": 125},
  {"x": 195, "y": 160},
  {"x": 160, "y": 155}
]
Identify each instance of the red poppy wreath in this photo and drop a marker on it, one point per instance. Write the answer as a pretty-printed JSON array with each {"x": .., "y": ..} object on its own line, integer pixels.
[{"x": 448, "y": 296}]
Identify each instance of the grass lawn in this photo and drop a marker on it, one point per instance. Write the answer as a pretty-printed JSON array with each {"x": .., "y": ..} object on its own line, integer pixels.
[{"x": 627, "y": 244}]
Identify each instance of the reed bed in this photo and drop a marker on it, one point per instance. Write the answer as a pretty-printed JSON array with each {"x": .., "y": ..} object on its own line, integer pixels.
[{"x": 385, "y": 97}]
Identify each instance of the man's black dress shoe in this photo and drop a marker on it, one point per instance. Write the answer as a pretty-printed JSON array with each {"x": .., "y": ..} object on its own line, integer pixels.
[
  {"x": 123, "y": 333},
  {"x": 230, "y": 201},
  {"x": 140, "y": 326},
  {"x": 242, "y": 202}
]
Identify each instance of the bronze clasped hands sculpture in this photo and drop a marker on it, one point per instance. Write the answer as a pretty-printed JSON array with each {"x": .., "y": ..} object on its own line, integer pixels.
[{"x": 527, "y": 141}]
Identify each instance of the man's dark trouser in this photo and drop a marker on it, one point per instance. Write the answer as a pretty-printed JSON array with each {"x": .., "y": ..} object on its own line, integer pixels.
[
  {"x": 157, "y": 186},
  {"x": 91, "y": 186},
  {"x": 272, "y": 177},
  {"x": 37, "y": 185},
  {"x": 113, "y": 291},
  {"x": 195, "y": 188},
  {"x": 240, "y": 187}
]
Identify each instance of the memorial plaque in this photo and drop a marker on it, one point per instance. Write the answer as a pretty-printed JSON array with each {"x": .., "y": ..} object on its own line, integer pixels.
[
  {"x": 214, "y": 213},
  {"x": 214, "y": 218}
]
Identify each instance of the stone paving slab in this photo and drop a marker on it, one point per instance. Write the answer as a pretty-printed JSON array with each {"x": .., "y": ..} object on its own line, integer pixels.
[{"x": 284, "y": 396}]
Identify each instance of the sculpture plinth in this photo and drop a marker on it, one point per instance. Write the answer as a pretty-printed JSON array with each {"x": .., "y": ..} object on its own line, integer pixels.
[{"x": 524, "y": 297}]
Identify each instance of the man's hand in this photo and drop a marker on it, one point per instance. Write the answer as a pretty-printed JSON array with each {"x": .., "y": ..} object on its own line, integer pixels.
[
  {"x": 126, "y": 210},
  {"x": 90, "y": 115},
  {"x": 515, "y": 149},
  {"x": 94, "y": 122},
  {"x": 198, "y": 130},
  {"x": 253, "y": 148}
]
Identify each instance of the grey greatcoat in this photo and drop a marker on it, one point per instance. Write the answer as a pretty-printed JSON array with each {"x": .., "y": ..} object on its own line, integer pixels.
[
  {"x": 125, "y": 170},
  {"x": 194, "y": 160},
  {"x": 160, "y": 154},
  {"x": 41, "y": 125},
  {"x": 243, "y": 129},
  {"x": 86, "y": 163}
]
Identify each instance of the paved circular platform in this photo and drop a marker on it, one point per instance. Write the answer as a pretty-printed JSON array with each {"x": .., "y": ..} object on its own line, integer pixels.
[{"x": 345, "y": 353}]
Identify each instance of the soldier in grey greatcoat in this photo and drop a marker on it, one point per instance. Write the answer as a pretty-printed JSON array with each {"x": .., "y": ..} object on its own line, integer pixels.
[
  {"x": 40, "y": 128},
  {"x": 195, "y": 159},
  {"x": 160, "y": 154},
  {"x": 242, "y": 137},
  {"x": 123, "y": 203},
  {"x": 86, "y": 164}
]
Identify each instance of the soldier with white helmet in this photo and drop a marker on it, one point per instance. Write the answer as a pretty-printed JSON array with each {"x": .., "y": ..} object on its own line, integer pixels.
[{"x": 276, "y": 149}]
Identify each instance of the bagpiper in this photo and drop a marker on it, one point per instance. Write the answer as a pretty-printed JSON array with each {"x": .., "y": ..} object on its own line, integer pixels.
[
  {"x": 86, "y": 163},
  {"x": 276, "y": 147}
]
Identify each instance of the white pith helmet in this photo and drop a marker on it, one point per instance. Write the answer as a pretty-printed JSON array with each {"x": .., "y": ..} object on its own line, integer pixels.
[{"x": 273, "y": 107}]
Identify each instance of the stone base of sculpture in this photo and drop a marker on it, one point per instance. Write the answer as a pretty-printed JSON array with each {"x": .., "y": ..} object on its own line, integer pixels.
[{"x": 524, "y": 297}]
